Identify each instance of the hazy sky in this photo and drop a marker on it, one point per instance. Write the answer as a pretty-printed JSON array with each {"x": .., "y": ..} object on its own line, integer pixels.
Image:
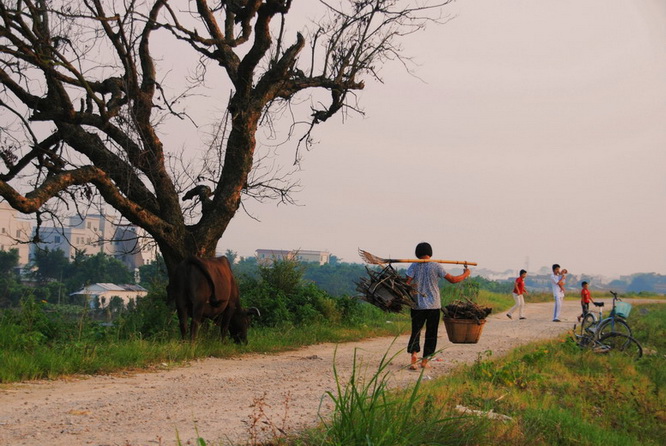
[{"x": 534, "y": 134}]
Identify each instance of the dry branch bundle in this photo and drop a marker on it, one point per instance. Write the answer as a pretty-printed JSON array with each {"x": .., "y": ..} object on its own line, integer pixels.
[
  {"x": 465, "y": 309},
  {"x": 386, "y": 289}
]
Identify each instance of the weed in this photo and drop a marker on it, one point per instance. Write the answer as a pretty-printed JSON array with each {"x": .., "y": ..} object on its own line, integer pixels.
[{"x": 365, "y": 413}]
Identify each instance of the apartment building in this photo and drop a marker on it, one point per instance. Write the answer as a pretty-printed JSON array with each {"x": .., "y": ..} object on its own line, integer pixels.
[
  {"x": 96, "y": 233},
  {"x": 15, "y": 232}
]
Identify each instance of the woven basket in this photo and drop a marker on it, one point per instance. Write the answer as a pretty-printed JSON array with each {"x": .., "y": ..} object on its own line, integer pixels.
[
  {"x": 622, "y": 309},
  {"x": 464, "y": 331}
]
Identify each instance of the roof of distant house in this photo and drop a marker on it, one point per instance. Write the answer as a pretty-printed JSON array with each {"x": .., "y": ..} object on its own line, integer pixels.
[{"x": 103, "y": 287}]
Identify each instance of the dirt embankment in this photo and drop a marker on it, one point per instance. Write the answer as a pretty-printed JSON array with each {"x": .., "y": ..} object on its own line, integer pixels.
[{"x": 231, "y": 401}]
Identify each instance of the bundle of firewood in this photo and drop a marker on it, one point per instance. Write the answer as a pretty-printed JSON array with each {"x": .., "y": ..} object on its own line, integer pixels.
[
  {"x": 386, "y": 289},
  {"x": 465, "y": 309}
]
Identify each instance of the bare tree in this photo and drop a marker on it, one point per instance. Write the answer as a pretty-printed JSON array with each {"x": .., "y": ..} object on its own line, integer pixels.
[{"x": 84, "y": 104}]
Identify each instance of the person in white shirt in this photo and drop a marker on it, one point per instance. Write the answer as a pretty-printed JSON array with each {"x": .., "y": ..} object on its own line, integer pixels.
[{"x": 557, "y": 280}]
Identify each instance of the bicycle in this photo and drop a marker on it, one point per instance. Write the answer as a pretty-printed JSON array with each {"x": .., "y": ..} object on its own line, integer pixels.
[
  {"x": 611, "y": 343},
  {"x": 615, "y": 323}
]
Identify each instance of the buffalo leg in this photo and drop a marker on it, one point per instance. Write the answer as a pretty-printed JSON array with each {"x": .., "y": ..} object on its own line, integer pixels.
[
  {"x": 197, "y": 317},
  {"x": 225, "y": 320},
  {"x": 194, "y": 329},
  {"x": 182, "y": 322}
]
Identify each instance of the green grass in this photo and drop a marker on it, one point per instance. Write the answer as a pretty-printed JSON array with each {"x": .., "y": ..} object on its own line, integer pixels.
[
  {"x": 28, "y": 355},
  {"x": 557, "y": 394}
]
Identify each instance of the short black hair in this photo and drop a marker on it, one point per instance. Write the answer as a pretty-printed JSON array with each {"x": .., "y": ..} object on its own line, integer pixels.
[
  {"x": 522, "y": 271},
  {"x": 584, "y": 283},
  {"x": 555, "y": 266},
  {"x": 423, "y": 249}
]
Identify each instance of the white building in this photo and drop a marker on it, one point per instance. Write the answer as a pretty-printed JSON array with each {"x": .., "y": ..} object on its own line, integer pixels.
[
  {"x": 97, "y": 233},
  {"x": 99, "y": 295},
  {"x": 304, "y": 255},
  {"x": 267, "y": 256},
  {"x": 90, "y": 234},
  {"x": 15, "y": 231},
  {"x": 133, "y": 246}
]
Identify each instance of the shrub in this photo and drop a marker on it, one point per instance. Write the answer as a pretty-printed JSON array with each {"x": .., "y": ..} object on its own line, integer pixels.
[
  {"x": 285, "y": 299},
  {"x": 150, "y": 317}
]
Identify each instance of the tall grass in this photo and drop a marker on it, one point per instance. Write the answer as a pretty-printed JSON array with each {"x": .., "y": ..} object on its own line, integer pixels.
[{"x": 367, "y": 413}]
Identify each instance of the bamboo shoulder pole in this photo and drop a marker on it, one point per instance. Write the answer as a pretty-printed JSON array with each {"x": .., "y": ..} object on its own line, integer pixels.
[{"x": 452, "y": 262}]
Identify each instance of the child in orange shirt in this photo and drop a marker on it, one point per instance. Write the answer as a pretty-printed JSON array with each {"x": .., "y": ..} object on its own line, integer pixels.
[{"x": 585, "y": 299}]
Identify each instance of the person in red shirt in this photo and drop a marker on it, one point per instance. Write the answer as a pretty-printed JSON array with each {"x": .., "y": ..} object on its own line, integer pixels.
[
  {"x": 518, "y": 291},
  {"x": 585, "y": 299}
]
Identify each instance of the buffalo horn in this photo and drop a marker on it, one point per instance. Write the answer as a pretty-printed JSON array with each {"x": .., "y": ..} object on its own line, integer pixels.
[{"x": 254, "y": 311}]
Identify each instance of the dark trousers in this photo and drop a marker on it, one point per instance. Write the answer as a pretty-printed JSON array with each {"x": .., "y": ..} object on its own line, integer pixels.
[
  {"x": 431, "y": 320},
  {"x": 585, "y": 307}
]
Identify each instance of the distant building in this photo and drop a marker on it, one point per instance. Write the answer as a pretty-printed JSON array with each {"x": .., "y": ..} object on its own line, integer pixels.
[
  {"x": 90, "y": 234},
  {"x": 133, "y": 246},
  {"x": 97, "y": 233},
  {"x": 321, "y": 257},
  {"x": 99, "y": 295},
  {"x": 15, "y": 231},
  {"x": 268, "y": 256}
]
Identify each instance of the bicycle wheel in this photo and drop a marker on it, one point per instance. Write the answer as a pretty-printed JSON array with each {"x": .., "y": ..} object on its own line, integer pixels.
[
  {"x": 587, "y": 323},
  {"x": 620, "y": 343},
  {"x": 613, "y": 325}
]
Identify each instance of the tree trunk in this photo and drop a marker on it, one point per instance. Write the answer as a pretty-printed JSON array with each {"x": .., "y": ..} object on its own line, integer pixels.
[{"x": 201, "y": 239}]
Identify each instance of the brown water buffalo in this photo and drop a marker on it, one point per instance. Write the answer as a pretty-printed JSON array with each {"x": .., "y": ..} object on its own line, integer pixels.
[{"x": 206, "y": 288}]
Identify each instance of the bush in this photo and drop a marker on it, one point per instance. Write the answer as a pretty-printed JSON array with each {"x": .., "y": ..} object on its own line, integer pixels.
[
  {"x": 150, "y": 317},
  {"x": 285, "y": 299}
]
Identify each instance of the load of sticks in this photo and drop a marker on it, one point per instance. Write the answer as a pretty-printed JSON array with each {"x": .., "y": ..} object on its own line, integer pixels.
[
  {"x": 466, "y": 309},
  {"x": 386, "y": 289}
]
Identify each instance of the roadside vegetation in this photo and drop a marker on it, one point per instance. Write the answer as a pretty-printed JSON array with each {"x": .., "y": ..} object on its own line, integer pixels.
[
  {"x": 45, "y": 340},
  {"x": 546, "y": 393}
]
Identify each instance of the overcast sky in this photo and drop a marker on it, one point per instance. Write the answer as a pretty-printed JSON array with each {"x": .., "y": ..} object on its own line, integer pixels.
[{"x": 533, "y": 134}]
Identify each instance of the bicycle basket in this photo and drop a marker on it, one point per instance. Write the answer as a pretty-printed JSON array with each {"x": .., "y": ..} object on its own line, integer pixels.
[{"x": 622, "y": 309}]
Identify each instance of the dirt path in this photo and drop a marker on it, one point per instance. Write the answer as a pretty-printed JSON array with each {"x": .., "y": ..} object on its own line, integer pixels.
[{"x": 217, "y": 397}]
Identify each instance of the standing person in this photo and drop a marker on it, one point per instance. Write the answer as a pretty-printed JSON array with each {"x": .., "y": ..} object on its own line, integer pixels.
[
  {"x": 425, "y": 277},
  {"x": 585, "y": 299},
  {"x": 518, "y": 291},
  {"x": 557, "y": 280}
]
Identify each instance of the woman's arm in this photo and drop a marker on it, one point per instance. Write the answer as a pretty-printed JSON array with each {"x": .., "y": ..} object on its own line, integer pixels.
[{"x": 460, "y": 278}]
